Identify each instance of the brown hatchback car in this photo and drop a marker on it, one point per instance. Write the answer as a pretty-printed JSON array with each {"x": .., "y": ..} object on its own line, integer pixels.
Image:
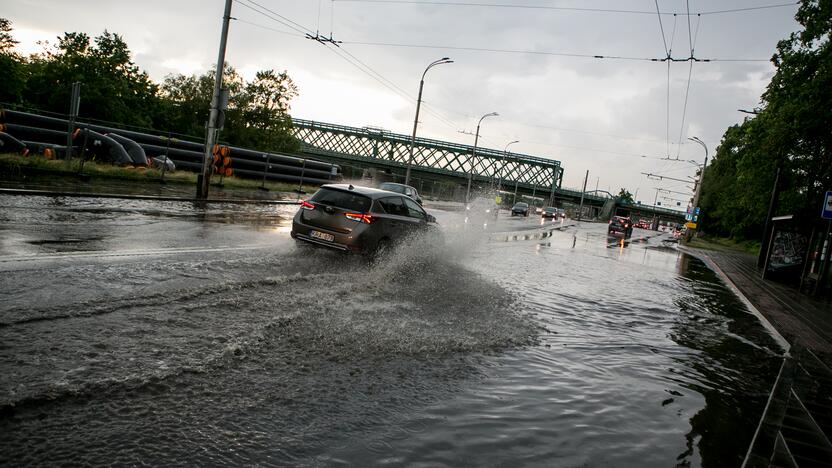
[{"x": 358, "y": 219}]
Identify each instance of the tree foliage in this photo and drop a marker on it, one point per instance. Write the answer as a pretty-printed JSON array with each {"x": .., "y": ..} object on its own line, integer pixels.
[
  {"x": 12, "y": 66},
  {"x": 625, "y": 196},
  {"x": 115, "y": 90},
  {"x": 791, "y": 131}
]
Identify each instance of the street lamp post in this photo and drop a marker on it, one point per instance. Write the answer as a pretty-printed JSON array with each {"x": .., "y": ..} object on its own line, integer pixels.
[
  {"x": 505, "y": 158},
  {"x": 441, "y": 61},
  {"x": 701, "y": 177},
  {"x": 474, "y": 154}
]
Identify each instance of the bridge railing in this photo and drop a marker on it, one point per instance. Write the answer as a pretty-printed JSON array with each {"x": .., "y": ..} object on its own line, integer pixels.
[
  {"x": 654, "y": 209},
  {"x": 429, "y": 155}
]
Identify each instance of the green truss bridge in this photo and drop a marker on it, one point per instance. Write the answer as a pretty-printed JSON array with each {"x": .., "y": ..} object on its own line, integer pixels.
[
  {"x": 372, "y": 147},
  {"x": 435, "y": 160}
]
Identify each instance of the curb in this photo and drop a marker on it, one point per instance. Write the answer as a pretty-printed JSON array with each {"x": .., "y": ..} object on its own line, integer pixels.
[
  {"x": 47, "y": 193},
  {"x": 733, "y": 287}
]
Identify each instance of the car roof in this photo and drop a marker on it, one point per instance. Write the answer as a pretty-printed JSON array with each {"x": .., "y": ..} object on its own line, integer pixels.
[
  {"x": 369, "y": 192},
  {"x": 550, "y": 208},
  {"x": 397, "y": 184}
]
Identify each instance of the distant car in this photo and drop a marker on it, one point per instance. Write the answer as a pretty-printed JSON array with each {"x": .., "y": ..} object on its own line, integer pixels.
[
  {"x": 620, "y": 226},
  {"x": 520, "y": 209},
  {"x": 549, "y": 212},
  {"x": 643, "y": 224},
  {"x": 358, "y": 219},
  {"x": 403, "y": 189},
  {"x": 562, "y": 213}
]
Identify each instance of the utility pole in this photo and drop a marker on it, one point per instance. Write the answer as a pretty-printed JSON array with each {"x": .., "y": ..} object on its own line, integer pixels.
[
  {"x": 416, "y": 119},
  {"x": 655, "y": 223},
  {"x": 581, "y": 209},
  {"x": 474, "y": 158},
  {"x": 689, "y": 233},
  {"x": 74, "y": 105},
  {"x": 213, "y": 119}
]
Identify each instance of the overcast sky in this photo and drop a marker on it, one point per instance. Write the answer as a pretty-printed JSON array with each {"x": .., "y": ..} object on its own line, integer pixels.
[{"x": 608, "y": 116}]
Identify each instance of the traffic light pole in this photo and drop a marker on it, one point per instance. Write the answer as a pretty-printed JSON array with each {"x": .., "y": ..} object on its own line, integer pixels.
[{"x": 211, "y": 138}]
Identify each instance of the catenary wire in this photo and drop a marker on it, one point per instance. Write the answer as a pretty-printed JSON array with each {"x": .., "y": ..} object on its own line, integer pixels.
[
  {"x": 687, "y": 90},
  {"x": 557, "y": 8},
  {"x": 349, "y": 57},
  {"x": 661, "y": 28},
  {"x": 547, "y": 53}
]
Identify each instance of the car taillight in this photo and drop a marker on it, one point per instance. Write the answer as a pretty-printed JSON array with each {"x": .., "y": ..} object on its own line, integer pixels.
[
  {"x": 306, "y": 205},
  {"x": 360, "y": 217}
]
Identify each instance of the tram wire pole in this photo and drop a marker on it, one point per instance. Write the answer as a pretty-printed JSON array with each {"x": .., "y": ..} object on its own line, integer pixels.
[
  {"x": 203, "y": 179},
  {"x": 581, "y": 209},
  {"x": 474, "y": 158}
]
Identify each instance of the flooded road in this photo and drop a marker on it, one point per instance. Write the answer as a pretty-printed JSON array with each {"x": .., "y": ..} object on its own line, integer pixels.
[{"x": 141, "y": 332}]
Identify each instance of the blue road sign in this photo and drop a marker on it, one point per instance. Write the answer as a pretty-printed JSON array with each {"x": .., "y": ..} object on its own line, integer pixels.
[
  {"x": 827, "y": 206},
  {"x": 696, "y": 211}
]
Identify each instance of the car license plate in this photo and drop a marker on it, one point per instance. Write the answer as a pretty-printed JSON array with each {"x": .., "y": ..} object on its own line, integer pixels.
[{"x": 322, "y": 236}]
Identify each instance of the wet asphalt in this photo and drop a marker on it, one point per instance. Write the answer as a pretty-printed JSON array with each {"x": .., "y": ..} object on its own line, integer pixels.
[{"x": 164, "y": 333}]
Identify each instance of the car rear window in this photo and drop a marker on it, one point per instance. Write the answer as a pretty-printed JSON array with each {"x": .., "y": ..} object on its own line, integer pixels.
[
  {"x": 342, "y": 199},
  {"x": 392, "y": 188}
]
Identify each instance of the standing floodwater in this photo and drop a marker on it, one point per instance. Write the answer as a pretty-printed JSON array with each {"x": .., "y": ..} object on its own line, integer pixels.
[{"x": 167, "y": 334}]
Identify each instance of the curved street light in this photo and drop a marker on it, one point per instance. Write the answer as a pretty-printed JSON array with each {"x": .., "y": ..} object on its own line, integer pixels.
[
  {"x": 474, "y": 154},
  {"x": 441, "y": 61},
  {"x": 505, "y": 158}
]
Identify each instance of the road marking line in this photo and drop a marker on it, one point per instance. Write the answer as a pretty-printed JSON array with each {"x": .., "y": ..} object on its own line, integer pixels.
[{"x": 127, "y": 253}]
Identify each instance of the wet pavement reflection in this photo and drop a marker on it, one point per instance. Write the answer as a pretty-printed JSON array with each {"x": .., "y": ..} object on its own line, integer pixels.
[{"x": 139, "y": 332}]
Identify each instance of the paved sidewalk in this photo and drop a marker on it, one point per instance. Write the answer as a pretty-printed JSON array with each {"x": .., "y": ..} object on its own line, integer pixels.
[{"x": 801, "y": 320}]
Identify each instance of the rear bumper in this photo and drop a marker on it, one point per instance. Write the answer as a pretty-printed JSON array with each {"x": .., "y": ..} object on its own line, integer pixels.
[
  {"x": 323, "y": 243},
  {"x": 353, "y": 242}
]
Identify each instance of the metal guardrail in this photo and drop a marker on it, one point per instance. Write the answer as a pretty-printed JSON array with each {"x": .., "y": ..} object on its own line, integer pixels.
[{"x": 794, "y": 430}]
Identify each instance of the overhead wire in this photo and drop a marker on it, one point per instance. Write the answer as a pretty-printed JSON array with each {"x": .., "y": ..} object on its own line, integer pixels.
[
  {"x": 343, "y": 54},
  {"x": 667, "y": 54},
  {"x": 284, "y": 23},
  {"x": 687, "y": 89},
  {"x": 661, "y": 28},
  {"x": 318, "y": 24},
  {"x": 548, "y": 53},
  {"x": 558, "y": 8}
]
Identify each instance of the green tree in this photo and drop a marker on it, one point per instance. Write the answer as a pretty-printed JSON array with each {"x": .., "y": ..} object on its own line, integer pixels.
[
  {"x": 791, "y": 132},
  {"x": 625, "y": 196},
  {"x": 113, "y": 88},
  {"x": 257, "y": 114},
  {"x": 12, "y": 66}
]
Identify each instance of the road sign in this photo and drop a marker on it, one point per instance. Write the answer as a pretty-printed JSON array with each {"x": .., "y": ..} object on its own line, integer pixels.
[
  {"x": 690, "y": 225},
  {"x": 696, "y": 211},
  {"x": 827, "y": 206},
  {"x": 498, "y": 199}
]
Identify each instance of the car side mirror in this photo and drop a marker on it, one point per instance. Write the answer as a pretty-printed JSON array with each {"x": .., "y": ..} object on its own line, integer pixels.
[{"x": 431, "y": 219}]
